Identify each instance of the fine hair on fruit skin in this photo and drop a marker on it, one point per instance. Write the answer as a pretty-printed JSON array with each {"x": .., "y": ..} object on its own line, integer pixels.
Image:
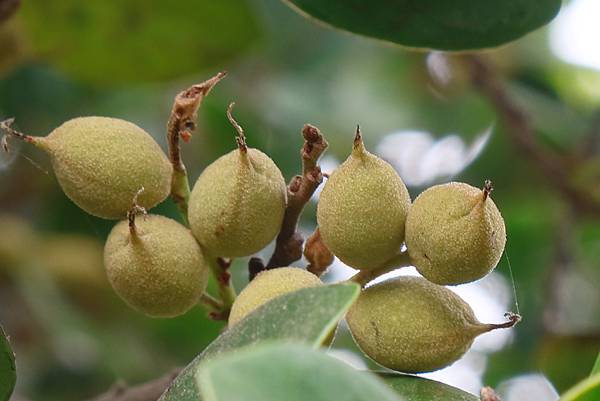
[
  {"x": 268, "y": 285},
  {"x": 101, "y": 162},
  {"x": 362, "y": 209},
  {"x": 155, "y": 266},
  {"x": 237, "y": 204},
  {"x": 411, "y": 325},
  {"x": 455, "y": 234}
]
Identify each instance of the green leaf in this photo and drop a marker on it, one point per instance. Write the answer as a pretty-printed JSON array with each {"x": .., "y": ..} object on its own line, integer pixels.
[
  {"x": 289, "y": 372},
  {"x": 413, "y": 388},
  {"x": 308, "y": 315},
  {"x": 436, "y": 24},
  {"x": 115, "y": 42},
  {"x": 596, "y": 368},
  {"x": 586, "y": 390},
  {"x": 8, "y": 373}
]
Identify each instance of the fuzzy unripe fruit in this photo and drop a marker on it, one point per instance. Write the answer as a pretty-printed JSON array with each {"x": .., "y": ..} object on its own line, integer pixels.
[
  {"x": 236, "y": 207},
  {"x": 102, "y": 162},
  {"x": 455, "y": 233},
  {"x": 268, "y": 285},
  {"x": 411, "y": 325},
  {"x": 362, "y": 210},
  {"x": 158, "y": 268}
]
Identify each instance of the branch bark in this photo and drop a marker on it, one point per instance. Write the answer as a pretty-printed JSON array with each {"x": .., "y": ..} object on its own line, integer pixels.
[
  {"x": 288, "y": 247},
  {"x": 522, "y": 134}
]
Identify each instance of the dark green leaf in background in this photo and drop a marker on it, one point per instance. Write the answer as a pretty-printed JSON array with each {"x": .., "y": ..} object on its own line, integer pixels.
[
  {"x": 413, "y": 388},
  {"x": 308, "y": 315},
  {"x": 289, "y": 372},
  {"x": 435, "y": 24},
  {"x": 8, "y": 374},
  {"x": 105, "y": 42},
  {"x": 586, "y": 390}
]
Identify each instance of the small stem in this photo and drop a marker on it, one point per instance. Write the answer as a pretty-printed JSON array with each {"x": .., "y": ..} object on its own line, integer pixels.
[
  {"x": 211, "y": 303},
  {"x": 288, "y": 246},
  {"x": 134, "y": 211},
  {"x": 6, "y": 126},
  {"x": 219, "y": 268},
  {"x": 241, "y": 137},
  {"x": 357, "y": 136},
  {"x": 513, "y": 319},
  {"x": 364, "y": 277},
  {"x": 487, "y": 189},
  {"x": 182, "y": 123}
]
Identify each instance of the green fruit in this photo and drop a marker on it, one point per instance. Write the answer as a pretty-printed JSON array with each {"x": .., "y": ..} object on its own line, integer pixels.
[
  {"x": 158, "y": 268},
  {"x": 268, "y": 285},
  {"x": 236, "y": 207},
  {"x": 362, "y": 210},
  {"x": 101, "y": 163},
  {"x": 411, "y": 325},
  {"x": 454, "y": 233}
]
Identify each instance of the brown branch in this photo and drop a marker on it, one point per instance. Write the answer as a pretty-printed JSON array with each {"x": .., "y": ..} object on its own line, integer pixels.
[
  {"x": 288, "y": 246},
  {"x": 149, "y": 391},
  {"x": 522, "y": 134},
  {"x": 182, "y": 124}
]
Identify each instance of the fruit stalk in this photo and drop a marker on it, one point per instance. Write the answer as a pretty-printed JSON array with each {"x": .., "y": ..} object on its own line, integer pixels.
[
  {"x": 182, "y": 123},
  {"x": 288, "y": 246},
  {"x": 218, "y": 268},
  {"x": 212, "y": 304},
  {"x": 363, "y": 277}
]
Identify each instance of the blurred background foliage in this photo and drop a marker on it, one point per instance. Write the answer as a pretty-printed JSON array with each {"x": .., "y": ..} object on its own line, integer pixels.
[{"x": 64, "y": 58}]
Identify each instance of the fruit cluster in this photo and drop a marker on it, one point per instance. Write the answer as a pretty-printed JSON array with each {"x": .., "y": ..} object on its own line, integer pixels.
[{"x": 453, "y": 234}]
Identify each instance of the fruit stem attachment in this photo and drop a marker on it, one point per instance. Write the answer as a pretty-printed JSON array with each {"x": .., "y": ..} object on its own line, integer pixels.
[
  {"x": 241, "y": 137},
  {"x": 398, "y": 261},
  {"x": 288, "y": 245},
  {"x": 182, "y": 123},
  {"x": 6, "y": 126},
  {"x": 487, "y": 189},
  {"x": 135, "y": 210},
  {"x": 219, "y": 268},
  {"x": 512, "y": 320},
  {"x": 212, "y": 304},
  {"x": 357, "y": 136}
]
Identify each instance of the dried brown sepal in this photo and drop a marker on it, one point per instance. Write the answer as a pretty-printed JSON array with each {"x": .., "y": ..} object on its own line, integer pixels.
[{"x": 317, "y": 254}]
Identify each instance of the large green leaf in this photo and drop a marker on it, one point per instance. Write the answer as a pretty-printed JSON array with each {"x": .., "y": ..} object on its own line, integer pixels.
[
  {"x": 435, "y": 24},
  {"x": 596, "y": 368},
  {"x": 289, "y": 372},
  {"x": 8, "y": 374},
  {"x": 106, "y": 42},
  {"x": 586, "y": 390},
  {"x": 413, "y": 388},
  {"x": 308, "y": 315}
]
